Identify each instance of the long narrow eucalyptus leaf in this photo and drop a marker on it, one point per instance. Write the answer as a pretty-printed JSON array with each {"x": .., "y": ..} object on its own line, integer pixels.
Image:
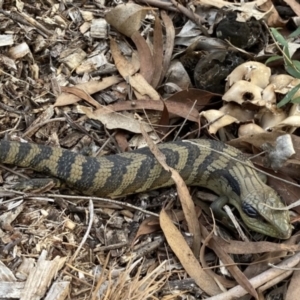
[{"x": 289, "y": 96}]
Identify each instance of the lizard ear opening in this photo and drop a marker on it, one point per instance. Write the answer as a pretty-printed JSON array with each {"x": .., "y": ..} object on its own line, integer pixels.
[{"x": 249, "y": 210}]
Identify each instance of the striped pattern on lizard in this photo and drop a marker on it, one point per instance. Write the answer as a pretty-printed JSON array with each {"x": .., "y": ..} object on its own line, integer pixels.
[{"x": 211, "y": 164}]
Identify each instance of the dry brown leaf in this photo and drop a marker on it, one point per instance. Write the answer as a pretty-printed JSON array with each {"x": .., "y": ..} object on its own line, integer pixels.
[
  {"x": 289, "y": 193},
  {"x": 186, "y": 256},
  {"x": 238, "y": 247},
  {"x": 121, "y": 139},
  {"x": 157, "y": 52},
  {"x": 184, "y": 110},
  {"x": 231, "y": 266},
  {"x": 293, "y": 291},
  {"x": 125, "y": 67},
  {"x": 255, "y": 140},
  {"x": 139, "y": 83},
  {"x": 169, "y": 42},
  {"x": 80, "y": 94},
  {"x": 90, "y": 88},
  {"x": 194, "y": 96},
  {"x": 127, "y": 18},
  {"x": 149, "y": 225},
  {"x": 145, "y": 56}
]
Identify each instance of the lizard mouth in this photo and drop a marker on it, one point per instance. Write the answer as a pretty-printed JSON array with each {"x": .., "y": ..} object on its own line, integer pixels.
[{"x": 262, "y": 225}]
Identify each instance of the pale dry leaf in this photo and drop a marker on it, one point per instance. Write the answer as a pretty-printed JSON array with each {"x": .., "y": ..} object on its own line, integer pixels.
[
  {"x": 139, "y": 83},
  {"x": 138, "y": 141},
  {"x": 8, "y": 62},
  {"x": 281, "y": 82},
  {"x": 249, "y": 129},
  {"x": 252, "y": 71},
  {"x": 293, "y": 290},
  {"x": 269, "y": 95},
  {"x": 242, "y": 91},
  {"x": 295, "y": 110},
  {"x": 113, "y": 120},
  {"x": 6, "y": 40},
  {"x": 292, "y": 122},
  {"x": 186, "y": 256},
  {"x": 259, "y": 9},
  {"x": 90, "y": 88},
  {"x": 127, "y": 18},
  {"x": 125, "y": 67},
  {"x": 217, "y": 120},
  {"x": 269, "y": 119},
  {"x": 237, "y": 111}
]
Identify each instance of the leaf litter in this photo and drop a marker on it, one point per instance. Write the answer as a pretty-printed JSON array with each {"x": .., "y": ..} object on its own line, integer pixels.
[{"x": 86, "y": 76}]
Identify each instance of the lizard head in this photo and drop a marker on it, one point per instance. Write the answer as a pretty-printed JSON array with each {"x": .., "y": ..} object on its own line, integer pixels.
[{"x": 264, "y": 212}]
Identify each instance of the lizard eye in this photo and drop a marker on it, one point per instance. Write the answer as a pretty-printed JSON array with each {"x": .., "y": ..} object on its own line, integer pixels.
[{"x": 249, "y": 210}]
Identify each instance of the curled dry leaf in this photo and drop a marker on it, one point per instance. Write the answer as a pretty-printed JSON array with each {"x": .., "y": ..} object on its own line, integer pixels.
[
  {"x": 252, "y": 71},
  {"x": 127, "y": 18},
  {"x": 238, "y": 112},
  {"x": 145, "y": 56},
  {"x": 139, "y": 83},
  {"x": 178, "y": 75},
  {"x": 269, "y": 119},
  {"x": 217, "y": 120},
  {"x": 295, "y": 110},
  {"x": 242, "y": 91},
  {"x": 292, "y": 123},
  {"x": 269, "y": 95},
  {"x": 249, "y": 129},
  {"x": 127, "y": 69},
  {"x": 284, "y": 83},
  {"x": 281, "y": 82}
]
